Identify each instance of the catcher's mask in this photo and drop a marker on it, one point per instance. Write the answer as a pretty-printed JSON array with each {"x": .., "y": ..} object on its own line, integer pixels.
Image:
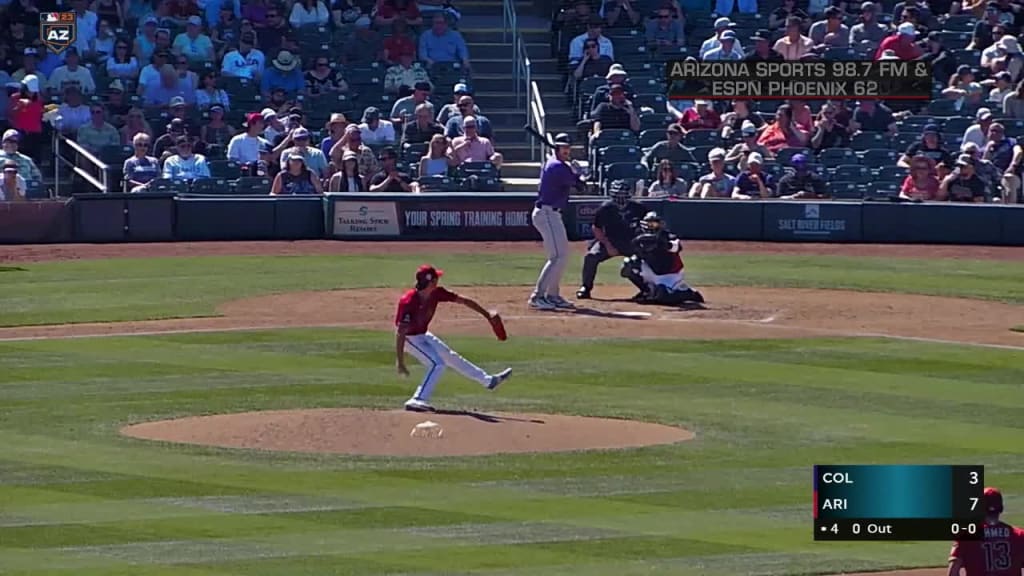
[
  {"x": 621, "y": 192},
  {"x": 651, "y": 222}
]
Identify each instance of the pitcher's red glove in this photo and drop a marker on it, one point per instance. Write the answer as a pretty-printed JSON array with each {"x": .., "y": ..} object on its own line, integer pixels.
[{"x": 498, "y": 326}]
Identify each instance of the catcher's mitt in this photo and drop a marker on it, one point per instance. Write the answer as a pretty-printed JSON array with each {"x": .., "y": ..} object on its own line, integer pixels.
[{"x": 498, "y": 326}]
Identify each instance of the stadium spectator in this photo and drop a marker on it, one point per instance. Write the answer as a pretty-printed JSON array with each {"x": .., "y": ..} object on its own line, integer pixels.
[
  {"x": 616, "y": 114},
  {"x": 145, "y": 42},
  {"x": 978, "y": 132},
  {"x": 1001, "y": 87},
  {"x": 1013, "y": 103},
  {"x": 783, "y": 133},
  {"x": 442, "y": 44},
  {"x": 313, "y": 159},
  {"x": 700, "y": 116},
  {"x": 593, "y": 62},
  {"x": 983, "y": 35},
  {"x": 753, "y": 183},
  {"x": 102, "y": 46},
  {"x": 466, "y": 107},
  {"x": 827, "y": 132},
  {"x": 389, "y": 178},
  {"x": 779, "y": 17},
  {"x": 25, "y": 113},
  {"x": 255, "y": 11},
  {"x": 668, "y": 182},
  {"x": 902, "y": 43},
  {"x": 963, "y": 185},
  {"x": 244, "y": 148},
  {"x": 176, "y": 109},
  {"x": 274, "y": 129},
  {"x": 762, "y": 50},
  {"x": 930, "y": 146},
  {"x": 728, "y": 48},
  {"x": 803, "y": 117},
  {"x": 389, "y": 11},
  {"x": 73, "y": 112},
  {"x": 30, "y": 66},
  {"x": 364, "y": 46},
  {"x": 122, "y": 64},
  {"x": 722, "y": 25},
  {"x": 185, "y": 165},
  {"x": 616, "y": 76},
  {"x": 115, "y": 103},
  {"x": 270, "y": 38},
  {"x": 942, "y": 60},
  {"x": 794, "y": 45},
  {"x": 922, "y": 184},
  {"x": 295, "y": 178},
  {"x": 215, "y": 131},
  {"x": 135, "y": 124},
  {"x": 210, "y": 95},
  {"x": 347, "y": 178},
  {"x": 111, "y": 10},
  {"x": 246, "y": 61},
  {"x": 169, "y": 89},
  {"x": 13, "y": 187},
  {"x": 150, "y": 73},
  {"x": 72, "y": 74},
  {"x": 404, "y": 75},
  {"x": 449, "y": 110},
  {"x": 322, "y": 79},
  {"x": 594, "y": 32},
  {"x": 664, "y": 30},
  {"x": 620, "y": 14},
  {"x": 869, "y": 30},
  {"x": 437, "y": 159},
  {"x": 86, "y": 23},
  {"x": 283, "y": 73},
  {"x": 192, "y": 43},
  {"x": 1000, "y": 151},
  {"x": 97, "y": 133},
  {"x": 471, "y": 147},
  {"x": 670, "y": 148},
  {"x": 871, "y": 116},
  {"x": 1013, "y": 176},
  {"x": 738, "y": 118},
  {"x": 335, "y": 126},
  {"x": 187, "y": 79},
  {"x": 924, "y": 14},
  {"x": 989, "y": 174},
  {"x": 140, "y": 168},
  {"x": 740, "y": 153},
  {"x": 308, "y": 13},
  {"x": 423, "y": 128},
  {"x": 570, "y": 20},
  {"x": 353, "y": 141},
  {"x": 405, "y": 107},
  {"x": 400, "y": 43},
  {"x": 376, "y": 131},
  {"x": 224, "y": 32},
  {"x": 802, "y": 182},
  {"x": 26, "y": 166},
  {"x": 717, "y": 183},
  {"x": 165, "y": 143},
  {"x": 830, "y": 32}
]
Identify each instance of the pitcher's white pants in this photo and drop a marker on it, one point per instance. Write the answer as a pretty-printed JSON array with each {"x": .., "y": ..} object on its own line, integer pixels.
[
  {"x": 673, "y": 282},
  {"x": 435, "y": 355},
  {"x": 549, "y": 223}
]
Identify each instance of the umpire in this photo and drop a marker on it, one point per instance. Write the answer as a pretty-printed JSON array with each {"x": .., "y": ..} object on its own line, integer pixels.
[{"x": 615, "y": 225}]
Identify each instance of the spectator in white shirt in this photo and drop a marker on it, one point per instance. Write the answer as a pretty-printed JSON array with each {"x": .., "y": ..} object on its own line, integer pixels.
[
  {"x": 308, "y": 13},
  {"x": 721, "y": 25},
  {"x": 604, "y": 45},
  {"x": 727, "y": 48},
  {"x": 86, "y": 23},
  {"x": 245, "y": 148},
  {"x": 374, "y": 130},
  {"x": 246, "y": 62},
  {"x": 74, "y": 113},
  {"x": 72, "y": 74},
  {"x": 978, "y": 132},
  {"x": 150, "y": 73},
  {"x": 1003, "y": 88}
]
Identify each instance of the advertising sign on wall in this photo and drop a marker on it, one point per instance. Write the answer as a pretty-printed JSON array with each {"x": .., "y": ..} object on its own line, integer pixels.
[
  {"x": 365, "y": 219},
  {"x": 468, "y": 219},
  {"x": 830, "y": 221}
]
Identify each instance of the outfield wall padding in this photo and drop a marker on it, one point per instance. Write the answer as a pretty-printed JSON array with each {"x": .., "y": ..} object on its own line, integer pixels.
[
  {"x": 932, "y": 223},
  {"x": 1012, "y": 225},
  {"x": 812, "y": 221},
  {"x": 715, "y": 219},
  {"x": 36, "y": 222},
  {"x": 225, "y": 218}
]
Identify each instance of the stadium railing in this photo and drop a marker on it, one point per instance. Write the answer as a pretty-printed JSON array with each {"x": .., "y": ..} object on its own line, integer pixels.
[{"x": 85, "y": 167}]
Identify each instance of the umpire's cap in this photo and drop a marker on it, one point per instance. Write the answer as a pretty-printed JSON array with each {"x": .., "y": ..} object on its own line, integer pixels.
[
  {"x": 562, "y": 139},
  {"x": 427, "y": 273},
  {"x": 993, "y": 500},
  {"x": 618, "y": 187},
  {"x": 652, "y": 216}
]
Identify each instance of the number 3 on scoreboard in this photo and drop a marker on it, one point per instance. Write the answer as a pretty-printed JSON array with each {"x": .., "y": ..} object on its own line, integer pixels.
[
  {"x": 974, "y": 478},
  {"x": 997, "y": 556}
]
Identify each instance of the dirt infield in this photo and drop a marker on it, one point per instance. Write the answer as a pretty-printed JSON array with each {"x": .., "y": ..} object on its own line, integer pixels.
[{"x": 400, "y": 433}]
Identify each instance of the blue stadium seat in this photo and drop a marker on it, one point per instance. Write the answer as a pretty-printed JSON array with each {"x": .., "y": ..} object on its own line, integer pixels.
[
  {"x": 211, "y": 186},
  {"x": 840, "y": 190},
  {"x": 879, "y": 157},
  {"x": 785, "y": 155},
  {"x": 865, "y": 140},
  {"x": 891, "y": 174},
  {"x": 835, "y": 156},
  {"x": 852, "y": 173},
  {"x": 624, "y": 170},
  {"x": 696, "y": 138}
]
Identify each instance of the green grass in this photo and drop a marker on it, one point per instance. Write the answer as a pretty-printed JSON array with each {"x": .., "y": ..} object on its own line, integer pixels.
[
  {"x": 1018, "y": 328},
  {"x": 78, "y": 499}
]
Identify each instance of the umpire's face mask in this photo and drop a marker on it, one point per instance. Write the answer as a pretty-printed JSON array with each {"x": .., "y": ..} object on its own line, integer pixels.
[{"x": 621, "y": 198}]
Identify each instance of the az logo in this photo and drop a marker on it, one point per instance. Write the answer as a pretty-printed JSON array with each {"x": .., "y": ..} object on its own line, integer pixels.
[{"x": 58, "y": 31}]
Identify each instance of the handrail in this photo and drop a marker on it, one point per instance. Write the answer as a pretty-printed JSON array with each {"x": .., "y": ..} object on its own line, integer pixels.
[
  {"x": 538, "y": 117},
  {"x": 98, "y": 180}
]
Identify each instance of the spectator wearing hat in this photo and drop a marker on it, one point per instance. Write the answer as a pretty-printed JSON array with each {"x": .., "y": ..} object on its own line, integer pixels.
[
  {"x": 780, "y": 16},
  {"x": 830, "y": 32},
  {"x": 700, "y": 116},
  {"x": 25, "y": 113},
  {"x": 295, "y": 178},
  {"x": 728, "y": 48},
  {"x": 376, "y": 131},
  {"x": 784, "y": 132},
  {"x": 389, "y": 178},
  {"x": 176, "y": 128},
  {"x": 169, "y": 89},
  {"x": 184, "y": 164},
  {"x": 664, "y": 30},
  {"x": 762, "y": 50},
  {"x": 922, "y": 184},
  {"x": 245, "y": 148},
  {"x": 400, "y": 43},
  {"x": 717, "y": 183},
  {"x": 722, "y": 25},
  {"x": 422, "y": 128},
  {"x": 959, "y": 83},
  {"x": 274, "y": 130},
  {"x": 452, "y": 109},
  {"x": 802, "y": 182},
  {"x": 619, "y": 14},
  {"x": 335, "y": 127},
  {"x": 308, "y": 13},
  {"x": 13, "y": 187},
  {"x": 353, "y": 141},
  {"x": 667, "y": 182},
  {"x": 404, "y": 75},
  {"x": 405, "y": 107},
  {"x": 192, "y": 43},
  {"x": 872, "y": 116},
  {"x": 72, "y": 74},
  {"x": 741, "y": 151},
  {"x": 215, "y": 130},
  {"x": 347, "y": 178},
  {"x": 869, "y": 30},
  {"x": 595, "y": 27},
  {"x": 472, "y": 147},
  {"x": 301, "y": 145},
  {"x": 26, "y": 166},
  {"x": 670, "y": 148},
  {"x": 616, "y": 114},
  {"x": 794, "y": 45},
  {"x": 1001, "y": 87},
  {"x": 245, "y": 61},
  {"x": 141, "y": 167},
  {"x": 283, "y": 73},
  {"x": 963, "y": 185},
  {"x": 97, "y": 133},
  {"x": 616, "y": 76},
  {"x": 145, "y": 41},
  {"x": 930, "y": 146},
  {"x": 754, "y": 183},
  {"x": 978, "y": 132},
  {"x": 989, "y": 174},
  {"x": 73, "y": 112},
  {"x": 593, "y": 62},
  {"x": 441, "y": 44},
  {"x": 364, "y": 46},
  {"x": 902, "y": 43},
  {"x": 466, "y": 107}
]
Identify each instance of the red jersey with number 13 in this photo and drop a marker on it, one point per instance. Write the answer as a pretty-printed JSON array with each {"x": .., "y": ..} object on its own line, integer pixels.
[
  {"x": 1000, "y": 553},
  {"x": 415, "y": 311}
]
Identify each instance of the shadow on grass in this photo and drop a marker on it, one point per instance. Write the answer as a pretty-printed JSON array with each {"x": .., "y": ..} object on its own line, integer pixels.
[
  {"x": 13, "y": 269},
  {"x": 1017, "y": 329},
  {"x": 489, "y": 418}
]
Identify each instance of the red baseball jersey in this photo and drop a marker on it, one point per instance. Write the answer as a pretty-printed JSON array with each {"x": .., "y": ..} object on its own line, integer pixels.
[
  {"x": 415, "y": 312},
  {"x": 1001, "y": 553}
]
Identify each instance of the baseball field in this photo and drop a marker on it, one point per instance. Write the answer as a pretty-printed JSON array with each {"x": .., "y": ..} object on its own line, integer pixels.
[{"x": 233, "y": 409}]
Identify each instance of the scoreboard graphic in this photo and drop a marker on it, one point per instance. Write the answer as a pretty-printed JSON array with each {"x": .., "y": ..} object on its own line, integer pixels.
[
  {"x": 898, "y": 502},
  {"x": 58, "y": 30}
]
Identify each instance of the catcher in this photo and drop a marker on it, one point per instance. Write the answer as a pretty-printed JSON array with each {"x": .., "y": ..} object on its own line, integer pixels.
[
  {"x": 415, "y": 311},
  {"x": 616, "y": 222},
  {"x": 657, "y": 266}
]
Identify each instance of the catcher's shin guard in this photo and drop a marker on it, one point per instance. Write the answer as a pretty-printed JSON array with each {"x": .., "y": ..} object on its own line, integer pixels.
[{"x": 631, "y": 271}]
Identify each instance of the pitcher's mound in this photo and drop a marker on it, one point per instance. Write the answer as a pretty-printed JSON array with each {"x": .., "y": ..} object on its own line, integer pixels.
[{"x": 395, "y": 432}]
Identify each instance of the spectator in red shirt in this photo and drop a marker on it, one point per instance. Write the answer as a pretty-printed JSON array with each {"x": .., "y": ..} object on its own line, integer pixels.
[
  {"x": 700, "y": 117},
  {"x": 802, "y": 115},
  {"x": 922, "y": 184},
  {"x": 389, "y": 10},
  {"x": 901, "y": 43},
  {"x": 400, "y": 43},
  {"x": 784, "y": 133}
]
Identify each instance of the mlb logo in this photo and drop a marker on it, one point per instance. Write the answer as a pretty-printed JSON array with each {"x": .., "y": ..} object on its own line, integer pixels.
[
  {"x": 58, "y": 30},
  {"x": 812, "y": 211}
]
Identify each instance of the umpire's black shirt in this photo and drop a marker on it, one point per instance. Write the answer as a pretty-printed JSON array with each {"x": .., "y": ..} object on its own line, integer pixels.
[{"x": 620, "y": 225}]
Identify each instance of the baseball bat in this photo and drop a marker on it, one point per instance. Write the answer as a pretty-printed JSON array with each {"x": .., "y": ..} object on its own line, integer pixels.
[{"x": 542, "y": 137}]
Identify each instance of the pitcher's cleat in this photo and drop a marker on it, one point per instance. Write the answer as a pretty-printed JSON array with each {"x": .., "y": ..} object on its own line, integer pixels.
[
  {"x": 498, "y": 378},
  {"x": 417, "y": 405},
  {"x": 540, "y": 303},
  {"x": 560, "y": 303}
]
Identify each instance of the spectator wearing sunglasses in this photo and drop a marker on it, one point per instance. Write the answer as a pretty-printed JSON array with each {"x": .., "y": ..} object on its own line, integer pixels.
[
  {"x": 664, "y": 30},
  {"x": 593, "y": 62},
  {"x": 97, "y": 133},
  {"x": 322, "y": 79}
]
